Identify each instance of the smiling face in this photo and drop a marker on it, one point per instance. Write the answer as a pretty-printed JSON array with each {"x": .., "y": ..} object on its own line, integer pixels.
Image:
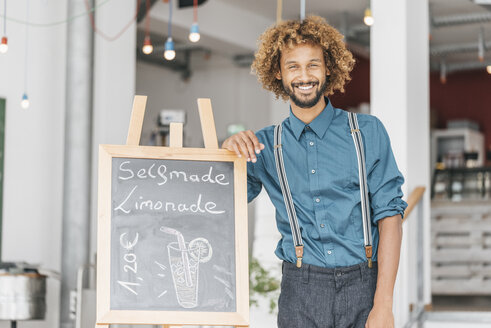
[{"x": 303, "y": 74}]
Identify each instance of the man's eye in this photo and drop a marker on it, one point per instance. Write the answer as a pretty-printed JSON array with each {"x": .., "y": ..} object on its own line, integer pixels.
[{"x": 292, "y": 67}]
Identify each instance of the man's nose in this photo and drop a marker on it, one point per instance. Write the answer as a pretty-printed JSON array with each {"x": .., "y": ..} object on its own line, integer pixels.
[{"x": 304, "y": 75}]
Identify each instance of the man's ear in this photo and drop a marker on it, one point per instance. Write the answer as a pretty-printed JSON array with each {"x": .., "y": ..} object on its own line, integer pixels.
[{"x": 278, "y": 75}]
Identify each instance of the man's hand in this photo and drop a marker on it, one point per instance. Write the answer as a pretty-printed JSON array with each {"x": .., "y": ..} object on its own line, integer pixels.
[
  {"x": 244, "y": 143},
  {"x": 380, "y": 317}
]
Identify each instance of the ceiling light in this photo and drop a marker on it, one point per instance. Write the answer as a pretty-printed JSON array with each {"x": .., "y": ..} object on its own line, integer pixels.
[
  {"x": 169, "y": 52},
  {"x": 443, "y": 72},
  {"x": 147, "y": 46},
  {"x": 368, "y": 19},
  {"x": 25, "y": 101},
  {"x": 4, "y": 45},
  {"x": 194, "y": 33}
]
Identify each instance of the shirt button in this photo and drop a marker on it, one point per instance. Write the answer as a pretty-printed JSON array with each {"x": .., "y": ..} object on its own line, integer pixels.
[
  {"x": 329, "y": 252},
  {"x": 313, "y": 171},
  {"x": 317, "y": 200},
  {"x": 307, "y": 127},
  {"x": 322, "y": 226},
  {"x": 311, "y": 143}
]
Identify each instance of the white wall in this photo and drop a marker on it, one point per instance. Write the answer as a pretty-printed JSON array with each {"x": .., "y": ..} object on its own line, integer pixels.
[
  {"x": 114, "y": 86},
  {"x": 400, "y": 98},
  {"x": 266, "y": 237},
  {"x": 34, "y": 140},
  {"x": 33, "y": 185},
  {"x": 235, "y": 94}
]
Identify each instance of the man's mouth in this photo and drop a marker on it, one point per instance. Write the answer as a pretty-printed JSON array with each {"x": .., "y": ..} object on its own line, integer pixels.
[{"x": 305, "y": 86}]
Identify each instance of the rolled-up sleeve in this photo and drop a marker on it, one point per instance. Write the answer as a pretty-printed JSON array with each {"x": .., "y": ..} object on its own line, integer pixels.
[
  {"x": 385, "y": 180},
  {"x": 254, "y": 185}
]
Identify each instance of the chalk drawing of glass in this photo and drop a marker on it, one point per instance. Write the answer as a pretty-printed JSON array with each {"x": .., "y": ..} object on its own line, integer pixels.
[{"x": 184, "y": 260}]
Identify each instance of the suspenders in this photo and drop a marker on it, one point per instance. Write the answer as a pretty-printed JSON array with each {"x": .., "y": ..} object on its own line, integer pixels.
[
  {"x": 362, "y": 176},
  {"x": 287, "y": 197}
]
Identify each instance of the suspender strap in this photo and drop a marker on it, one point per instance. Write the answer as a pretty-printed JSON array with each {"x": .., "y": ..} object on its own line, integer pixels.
[
  {"x": 287, "y": 196},
  {"x": 362, "y": 174}
]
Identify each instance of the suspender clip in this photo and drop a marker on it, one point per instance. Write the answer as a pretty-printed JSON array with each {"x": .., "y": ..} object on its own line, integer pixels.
[
  {"x": 299, "y": 253},
  {"x": 368, "y": 252}
]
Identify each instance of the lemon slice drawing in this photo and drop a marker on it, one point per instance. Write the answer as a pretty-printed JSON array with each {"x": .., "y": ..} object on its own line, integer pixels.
[{"x": 200, "y": 250}]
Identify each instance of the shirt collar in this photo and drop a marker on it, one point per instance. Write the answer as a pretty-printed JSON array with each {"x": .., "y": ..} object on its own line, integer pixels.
[{"x": 319, "y": 125}]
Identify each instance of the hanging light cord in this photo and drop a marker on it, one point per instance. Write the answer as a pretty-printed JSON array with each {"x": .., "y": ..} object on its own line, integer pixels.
[
  {"x": 147, "y": 18},
  {"x": 120, "y": 33},
  {"x": 74, "y": 17},
  {"x": 195, "y": 10},
  {"x": 279, "y": 8},
  {"x": 27, "y": 47},
  {"x": 169, "y": 28},
  {"x": 5, "y": 17},
  {"x": 302, "y": 10}
]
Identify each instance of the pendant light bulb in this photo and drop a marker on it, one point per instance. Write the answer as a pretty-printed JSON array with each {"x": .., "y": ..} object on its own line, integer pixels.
[
  {"x": 194, "y": 35},
  {"x": 488, "y": 69},
  {"x": 169, "y": 52},
  {"x": 147, "y": 46},
  {"x": 25, "y": 101},
  {"x": 368, "y": 18},
  {"x": 4, "y": 45}
]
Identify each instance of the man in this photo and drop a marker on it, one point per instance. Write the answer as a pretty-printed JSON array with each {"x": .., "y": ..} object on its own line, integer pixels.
[{"x": 335, "y": 283}]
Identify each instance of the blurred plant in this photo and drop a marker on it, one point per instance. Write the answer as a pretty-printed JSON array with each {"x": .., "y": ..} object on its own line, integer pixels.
[{"x": 262, "y": 284}]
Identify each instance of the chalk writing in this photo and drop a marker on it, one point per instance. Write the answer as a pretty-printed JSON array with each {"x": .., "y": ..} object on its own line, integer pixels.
[
  {"x": 130, "y": 259},
  {"x": 127, "y": 285},
  {"x": 172, "y": 235},
  {"x": 160, "y": 174},
  {"x": 129, "y": 205}
]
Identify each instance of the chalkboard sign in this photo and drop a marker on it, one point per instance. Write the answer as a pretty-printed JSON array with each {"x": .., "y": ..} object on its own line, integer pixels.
[{"x": 172, "y": 243}]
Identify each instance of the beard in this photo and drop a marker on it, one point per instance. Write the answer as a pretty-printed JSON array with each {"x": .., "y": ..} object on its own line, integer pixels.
[{"x": 307, "y": 103}]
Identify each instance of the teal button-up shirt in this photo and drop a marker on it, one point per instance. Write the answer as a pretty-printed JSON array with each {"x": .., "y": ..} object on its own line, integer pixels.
[{"x": 322, "y": 170}]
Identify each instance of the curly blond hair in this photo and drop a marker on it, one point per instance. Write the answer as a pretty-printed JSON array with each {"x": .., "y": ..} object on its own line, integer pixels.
[{"x": 285, "y": 35}]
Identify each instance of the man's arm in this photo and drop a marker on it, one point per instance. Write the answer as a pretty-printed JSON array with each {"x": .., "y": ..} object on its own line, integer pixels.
[
  {"x": 246, "y": 143},
  {"x": 389, "y": 248}
]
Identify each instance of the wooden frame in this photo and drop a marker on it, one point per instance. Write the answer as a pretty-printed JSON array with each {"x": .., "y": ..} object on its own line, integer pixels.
[{"x": 105, "y": 315}]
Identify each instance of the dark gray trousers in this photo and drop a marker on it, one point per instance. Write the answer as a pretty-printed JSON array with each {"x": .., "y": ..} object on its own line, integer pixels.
[{"x": 315, "y": 297}]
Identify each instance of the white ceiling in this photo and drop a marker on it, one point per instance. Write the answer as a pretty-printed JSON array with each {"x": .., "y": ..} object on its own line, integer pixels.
[
  {"x": 330, "y": 9},
  {"x": 291, "y": 8},
  {"x": 334, "y": 10}
]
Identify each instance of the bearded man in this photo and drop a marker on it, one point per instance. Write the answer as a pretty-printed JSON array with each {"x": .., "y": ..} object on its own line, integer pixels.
[{"x": 333, "y": 180}]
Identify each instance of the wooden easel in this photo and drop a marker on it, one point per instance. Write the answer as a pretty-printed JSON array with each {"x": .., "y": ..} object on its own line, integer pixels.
[{"x": 175, "y": 139}]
